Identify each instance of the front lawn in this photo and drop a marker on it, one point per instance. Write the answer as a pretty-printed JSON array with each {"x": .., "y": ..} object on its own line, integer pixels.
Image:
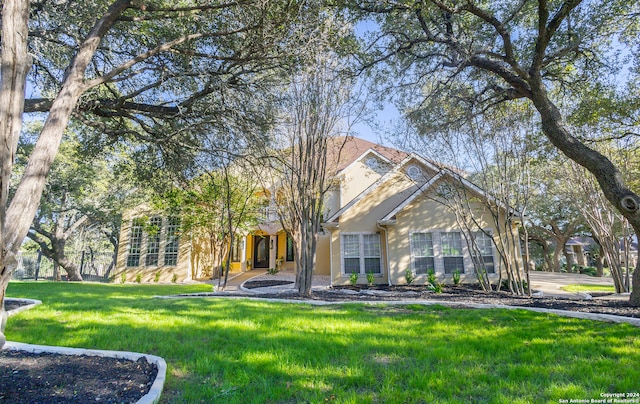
[
  {"x": 575, "y": 288},
  {"x": 239, "y": 351}
]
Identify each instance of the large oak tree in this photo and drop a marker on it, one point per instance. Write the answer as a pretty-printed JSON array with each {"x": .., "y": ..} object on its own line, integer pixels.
[
  {"x": 460, "y": 58},
  {"x": 150, "y": 70}
]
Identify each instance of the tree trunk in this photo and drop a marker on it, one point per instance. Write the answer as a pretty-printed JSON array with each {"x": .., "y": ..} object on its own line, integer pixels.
[
  {"x": 599, "y": 263},
  {"x": 556, "y": 258},
  {"x": 608, "y": 176},
  {"x": 570, "y": 261},
  {"x": 60, "y": 258},
  {"x": 72, "y": 270},
  {"x": 56, "y": 272},
  {"x": 305, "y": 260},
  {"x": 14, "y": 67},
  {"x": 634, "y": 299}
]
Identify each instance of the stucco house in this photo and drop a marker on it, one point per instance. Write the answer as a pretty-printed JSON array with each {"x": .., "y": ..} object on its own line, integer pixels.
[{"x": 382, "y": 216}]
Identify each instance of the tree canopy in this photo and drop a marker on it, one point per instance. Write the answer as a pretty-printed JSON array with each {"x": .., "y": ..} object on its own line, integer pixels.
[{"x": 460, "y": 59}]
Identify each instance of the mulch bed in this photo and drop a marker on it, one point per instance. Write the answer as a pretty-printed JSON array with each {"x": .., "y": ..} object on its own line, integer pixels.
[
  {"x": 53, "y": 378},
  {"x": 265, "y": 283},
  {"x": 460, "y": 293}
]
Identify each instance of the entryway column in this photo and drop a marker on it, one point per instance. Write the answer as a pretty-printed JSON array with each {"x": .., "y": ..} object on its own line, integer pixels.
[{"x": 273, "y": 250}]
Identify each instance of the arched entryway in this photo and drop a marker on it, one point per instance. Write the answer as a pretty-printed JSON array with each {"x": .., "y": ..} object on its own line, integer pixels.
[{"x": 261, "y": 249}]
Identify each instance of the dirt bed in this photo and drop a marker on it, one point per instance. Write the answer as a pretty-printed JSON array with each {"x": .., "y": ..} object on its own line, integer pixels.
[{"x": 54, "y": 378}]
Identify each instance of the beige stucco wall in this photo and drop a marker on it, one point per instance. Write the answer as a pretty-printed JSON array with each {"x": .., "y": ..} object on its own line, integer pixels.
[
  {"x": 323, "y": 255},
  {"x": 424, "y": 214},
  {"x": 429, "y": 216},
  {"x": 362, "y": 218},
  {"x": 178, "y": 273},
  {"x": 354, "y": 179}
]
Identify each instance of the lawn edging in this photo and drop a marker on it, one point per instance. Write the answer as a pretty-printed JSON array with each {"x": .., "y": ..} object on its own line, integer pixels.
[
  {"x": 153, "y": 396},
  {"x": 28, "y": 304},
  {"x": 610, "y": 318}
]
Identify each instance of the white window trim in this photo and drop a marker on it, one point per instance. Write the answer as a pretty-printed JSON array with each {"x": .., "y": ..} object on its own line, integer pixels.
[
  {"x": 463, "y": 252},
  {"x": 361, "y": 256},
  {"x": 411, "y": 249},
  {"x": 144, "y": 245},
  {"x": 494, "y": 251},
  {"x": 438, "y": 256}
]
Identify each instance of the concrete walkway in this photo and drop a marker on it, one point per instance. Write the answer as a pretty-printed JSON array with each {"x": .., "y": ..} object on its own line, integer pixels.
[{"x": 235, "y": 281}]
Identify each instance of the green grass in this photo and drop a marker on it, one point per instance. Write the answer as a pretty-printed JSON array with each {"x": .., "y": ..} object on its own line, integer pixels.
[
  {"x": 575, "y": 288},
  {"x": 239, "y": 351}
]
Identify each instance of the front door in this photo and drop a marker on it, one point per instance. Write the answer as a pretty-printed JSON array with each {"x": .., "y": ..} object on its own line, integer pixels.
[{"x": 261, "y": 251}]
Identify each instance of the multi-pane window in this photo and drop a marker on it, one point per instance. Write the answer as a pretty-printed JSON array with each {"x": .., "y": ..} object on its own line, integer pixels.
[
  {"x": 361, "y": 253},
  {"x": 153, "y": 242},
  {"x": 452, "y": 252},
  {"x": 422, "y": 255},
  {"x": 135, "y": 243},
  {"x": 289, "y": 256},
  {"x": 351, "y": 253},
  {"x": 371, "y": 249},
  {"x": 172, "y": 242},
  {"x": 236, "y": 249},
  {"x": 485, "y": 246}
]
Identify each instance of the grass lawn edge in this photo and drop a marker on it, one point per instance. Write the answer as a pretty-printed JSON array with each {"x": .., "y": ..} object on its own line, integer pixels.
[{"x": 610, "y": 318}]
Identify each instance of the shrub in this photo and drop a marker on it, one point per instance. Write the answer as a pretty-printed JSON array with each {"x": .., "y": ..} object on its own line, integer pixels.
[
  {"x": 456, "y": 277},
  {"x": 174, "y": 278},
  {"x": 505, "y": 285},
  {"x": 433, "y": 281},
  {"x": 370, "y": 278},
  {"x": 273, "y": 271},
  {"x": 408, "y": 276},
  {"x": 353, "y": 278},
  {"x": 591, "y": 271},
  {"x": 431, "y": 276},
  {"x": 437, "y": 287},
  {"x": 139, "y": 278},
  {"x": 123, "y": 277},
  {"x": 156, "y": 277}
]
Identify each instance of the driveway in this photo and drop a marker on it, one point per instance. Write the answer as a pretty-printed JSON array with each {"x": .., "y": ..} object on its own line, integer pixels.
[{"x": 549, "y": 283}]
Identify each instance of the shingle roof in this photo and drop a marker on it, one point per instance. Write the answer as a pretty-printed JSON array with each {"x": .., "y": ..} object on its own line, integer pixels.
[{"x": 350, "y": 148}]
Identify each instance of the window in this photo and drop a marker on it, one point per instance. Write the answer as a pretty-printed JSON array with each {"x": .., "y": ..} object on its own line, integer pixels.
[
  {"x": 153, "y": 242},
  {"x": 361, "y": 253},
  {"x": 236, "y": 249},
  {"x": 414, "y": 172},
  {"x": 172, "y": 242},
  {"x": 422, "y": 252},
  {"x": 135, "y": 243},
  {"x": 371, "y": 247},
  {"x": 373, "y": 163},
  {"x": 485, "y": 245},
  {"x": 289, "y": 256},
  {"x": 452, "y": 252},
  {"x": 351, "y": 253}
]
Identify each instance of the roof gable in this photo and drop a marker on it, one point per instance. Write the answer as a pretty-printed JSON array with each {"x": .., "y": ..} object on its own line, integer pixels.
[{"x": 344, "y": 151}]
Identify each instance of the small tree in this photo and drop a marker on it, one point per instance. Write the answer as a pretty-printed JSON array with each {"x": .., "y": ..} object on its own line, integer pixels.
[
  {"x": 316, "y": 103},
  {"x": 216, "y": 205},
  {"x": 608, "y": 226},
  {"x": 497, "y": 153}
]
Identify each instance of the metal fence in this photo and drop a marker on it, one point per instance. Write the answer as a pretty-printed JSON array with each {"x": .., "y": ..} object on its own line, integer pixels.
[{"x": 94, "y": 266}]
